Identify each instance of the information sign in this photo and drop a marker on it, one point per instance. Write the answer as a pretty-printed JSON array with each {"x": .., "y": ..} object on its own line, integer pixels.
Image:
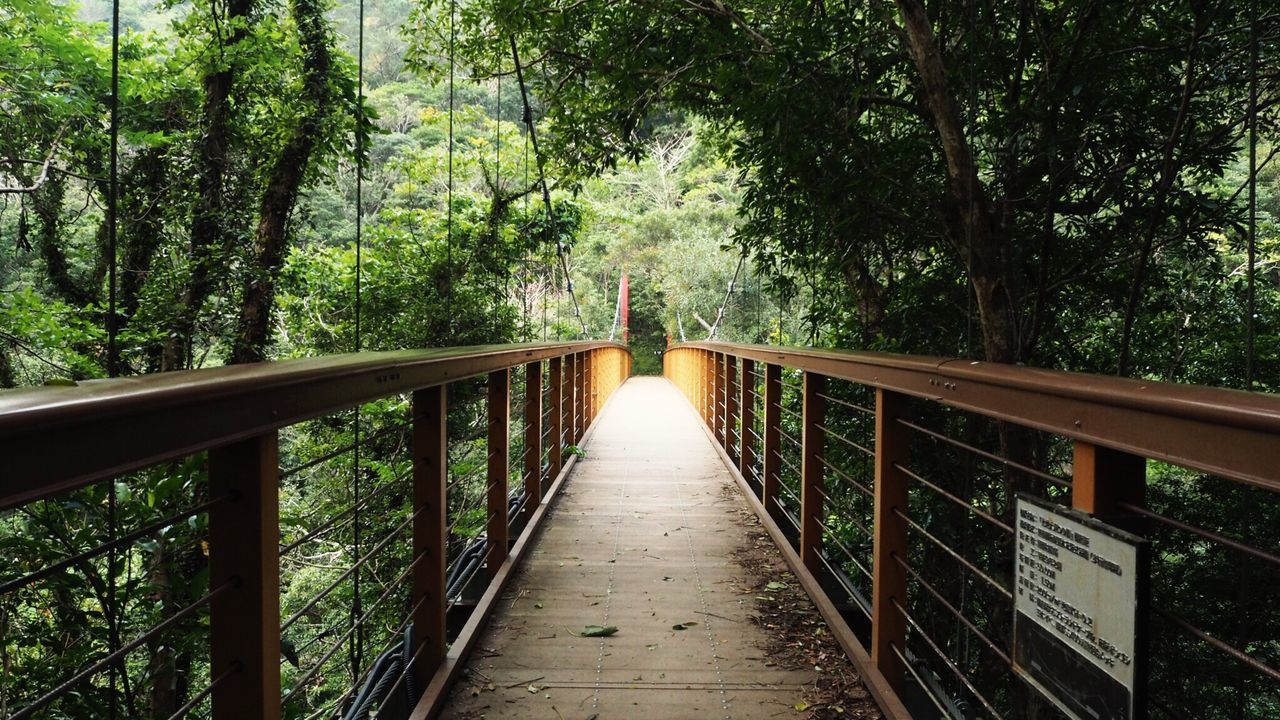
[{"x": 1080, "y": 612}]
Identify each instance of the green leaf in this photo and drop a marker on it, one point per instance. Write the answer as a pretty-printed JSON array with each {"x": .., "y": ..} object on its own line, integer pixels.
[
  {"x": 598, "y": 630},
  {"x": 776, "y": 586}
]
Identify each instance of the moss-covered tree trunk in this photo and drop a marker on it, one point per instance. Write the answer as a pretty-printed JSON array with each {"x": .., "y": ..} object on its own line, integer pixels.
[
  {"x": 207, "y": 220},
  {"x": 285, "y": 180}
]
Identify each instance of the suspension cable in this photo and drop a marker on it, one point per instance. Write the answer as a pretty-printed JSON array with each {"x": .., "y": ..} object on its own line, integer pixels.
[
  {"x": 449, "y": 194},
  {"x": 117, "y": 668},
  {"x": 972, "y": 199},
  {"x": 617, "y": 309},
  {"x": 546, "y": 192},
  {"x": 715, "y": 325},
  {"x": 113, "y": 346},
  {"x": 497, "y": 188},
  {"x": 1251, "y": 300},
  {"x": 355, "y": 648}
]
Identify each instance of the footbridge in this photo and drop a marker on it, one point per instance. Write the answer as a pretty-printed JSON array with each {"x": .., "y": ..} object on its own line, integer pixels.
[{"x": 528, "y": 531}]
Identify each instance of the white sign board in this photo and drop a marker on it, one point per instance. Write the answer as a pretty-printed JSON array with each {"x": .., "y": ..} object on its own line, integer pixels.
[{"x": 1079, "y": 621}]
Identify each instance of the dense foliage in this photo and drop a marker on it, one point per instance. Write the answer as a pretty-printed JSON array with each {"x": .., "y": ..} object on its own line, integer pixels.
[{"x": 1060, "y": 184}]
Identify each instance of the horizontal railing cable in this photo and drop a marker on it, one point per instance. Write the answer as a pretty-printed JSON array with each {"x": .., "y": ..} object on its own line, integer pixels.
[
  {"x": 200, "y": 697},
  {"x": 846, "y": 403},
  {"x": 324, "y": 527},
  {"x": 834, "y": 538},
  {"x": 988, "y": 455},
  {"x": 1000, "y": 652},
  {"x": 957, "y": 556},
  {"x": 301, "y": 682},
  {"x": 945, "y": 658},
  {"x": 382, "y": 544},
  {"x": 1224, "y": 647},
  {"x": 324, "y": 633},
  {"x": 790, "y": 438},
  {"x": 997, "y": 522},
  {"x": 856, "y": 446},
  {"x": 842, "y": 579},
  {"x": 1206, "y": 534},
  {"x": 786, "y": 512},
  {"x": 928, "y": 691},
  {"x": 846, "y": 477},
  {"x": 849, "y": 512},
  {"x": 18, "y": 583},
  {"x": 332, "y": 454},
  {"x": 102, "y": 664}
]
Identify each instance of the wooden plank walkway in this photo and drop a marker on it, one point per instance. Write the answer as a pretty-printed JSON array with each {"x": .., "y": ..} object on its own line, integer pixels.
[{"x": 642, "y": 537}]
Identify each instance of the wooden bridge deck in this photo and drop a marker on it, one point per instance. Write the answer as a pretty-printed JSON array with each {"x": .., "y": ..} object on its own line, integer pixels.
[{"x": 647, "y": 534}]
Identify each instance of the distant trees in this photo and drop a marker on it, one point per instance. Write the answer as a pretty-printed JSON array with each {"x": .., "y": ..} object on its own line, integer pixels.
[{"x": 1060, "y": 163}]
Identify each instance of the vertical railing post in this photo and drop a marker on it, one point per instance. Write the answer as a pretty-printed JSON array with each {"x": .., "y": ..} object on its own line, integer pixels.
[
  {"x": 589, "y": 393},
  {"x": 532, "y": 438},
  {"x": 244, "y": 551},
  {"x": 580, "y": 395},
  {"x": 747, "y": 406},
  {"x": 704, "y": 367},
  {"x": 591, "y": 388},
  {"x": 772, "y": 440},
  {"x": 731, "y": 407},
  {"x": 430, "y": 522},
  {"x": 699, "y": 383},
  {"x": 1103, "y": 478},
  {"x": 570, "y": 367},
  {"x": 719, "y": 425},
  {"x": 555, "y": 416},
  {"x": 499, "y": 466},
  {"x": 889, "y": 579},
  {"x": 812, "y": 437},
  {"x": 709, "y": 370}
]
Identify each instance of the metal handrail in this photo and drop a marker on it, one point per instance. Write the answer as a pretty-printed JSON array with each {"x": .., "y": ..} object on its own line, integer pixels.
[
  {"x": 1230, "y": 433},
  {"x": 1114, "y": 426},
  {"x": 120, "y": 425},
  {"x": 61, "y": 438}
]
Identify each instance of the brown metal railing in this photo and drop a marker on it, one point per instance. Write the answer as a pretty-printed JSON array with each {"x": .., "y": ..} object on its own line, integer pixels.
[
  {"x": 219, "y": 436},
  {"x": 888, "y": 481}
]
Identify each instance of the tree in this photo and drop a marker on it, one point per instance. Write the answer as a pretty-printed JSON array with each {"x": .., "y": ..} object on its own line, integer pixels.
[{"x": 1044, "y": 157}]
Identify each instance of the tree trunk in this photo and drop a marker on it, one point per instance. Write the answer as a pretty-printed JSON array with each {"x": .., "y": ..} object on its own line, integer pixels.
[
  {"x": 162, "y": 696},
  {"x": 978, "y": 240},
  {"x": 207, "y": 234},
  {"x": 285, "y": 180},
  {"x": 142, "y": 232},
  {"x": 7, "y": 377},
  {"x": 47, "y": 204},
  {"x": 983, "y": 247}
]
